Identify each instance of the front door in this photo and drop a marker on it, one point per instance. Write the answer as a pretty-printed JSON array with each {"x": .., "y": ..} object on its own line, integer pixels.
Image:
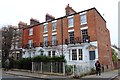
[{"x": 92, "y": 55}]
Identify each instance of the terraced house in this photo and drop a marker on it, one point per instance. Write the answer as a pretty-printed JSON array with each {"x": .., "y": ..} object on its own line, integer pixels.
[
  {"x": 17, "y": 41},
  {"x": 82, "y": 37}
]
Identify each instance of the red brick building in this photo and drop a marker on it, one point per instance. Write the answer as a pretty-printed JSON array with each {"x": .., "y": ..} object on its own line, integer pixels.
[{"x": 83, "y": 34}]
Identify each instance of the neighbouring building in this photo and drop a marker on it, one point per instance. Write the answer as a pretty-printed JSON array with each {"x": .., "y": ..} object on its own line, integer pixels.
[
  {"x": 82, "y": 37},
  {"x": 117, "y": 51},
  {"x": 17, "y": 41}
]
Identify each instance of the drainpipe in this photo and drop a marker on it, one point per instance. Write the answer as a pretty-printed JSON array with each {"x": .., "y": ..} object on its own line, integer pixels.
[{"x": 62, "y": 34}]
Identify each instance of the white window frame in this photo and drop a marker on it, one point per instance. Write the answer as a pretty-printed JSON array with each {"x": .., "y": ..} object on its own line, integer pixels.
[
  {"x": 49, "y": 54},
  {"x": 54, "y": 39},
  {"x": 75, "y": 57},
  {"x": 71, "y": 30},
  {"x": 30, "y": 43},
  {"x": 81, "y": 14},
  {"x": 70, "y": 17},
  {"x": 30, "y": 31},
  {"x": 55, "y": 33},
  {"x": 45, "y": 35},
  {"x": 71, "y": 37},
  {"x": 52, "y": 53},
  {"x": 77, "y": 54},
  {"x": 84, "y": 28},
  {"x": 44, "y": 27},
  {"x": 45, "y": 40},
  {"x": 55, "y": 26},
  {"x": 80, "y": 55}
]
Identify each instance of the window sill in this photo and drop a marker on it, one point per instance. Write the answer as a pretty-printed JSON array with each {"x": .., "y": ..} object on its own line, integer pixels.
[
  {"x": 31, "y": 35},
  {"x": 74, "y": 60},
  {"x": 54, "y": 30},
  {"x": 83, "y": 23},
  {"x": 70, "y": 26},
  {"x": 45, "y": 32}
]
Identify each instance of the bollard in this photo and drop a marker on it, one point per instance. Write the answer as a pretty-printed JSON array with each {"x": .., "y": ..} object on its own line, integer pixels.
[
  {"x": 32, "y": 67},
  {"x": 51, "y": 68},
  {"x": 73, "y": 70},
  {"x": 63, "y": 68},
  {"x": 41, "y": 67}
]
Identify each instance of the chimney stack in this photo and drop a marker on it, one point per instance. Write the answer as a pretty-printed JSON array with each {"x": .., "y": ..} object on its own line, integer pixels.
[
  {"x": 22, "y": 24},
  {"x": 49, "y": 17},
  {"x": 69, "y": 10},
  {"x": 34, "y": 21}
]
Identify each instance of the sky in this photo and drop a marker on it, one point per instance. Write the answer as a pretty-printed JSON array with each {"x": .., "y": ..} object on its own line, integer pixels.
[{"x": 13, "y": 11}]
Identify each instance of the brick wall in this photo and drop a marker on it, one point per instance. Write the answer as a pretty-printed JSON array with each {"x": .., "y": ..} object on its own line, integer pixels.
[
  {"x": 65, "y": 29},
  {"x": 91, "y": 25},
  {"x": 104, "y": 43},
  {"x": 41, "y": 33},
  {"x": 50, "y": 31},
  {"x": 25, "y": 36},
  {"x": 36, "y": 36},
  {"x": 77, "y": 31},
  {"x": 59, "y": 32}
]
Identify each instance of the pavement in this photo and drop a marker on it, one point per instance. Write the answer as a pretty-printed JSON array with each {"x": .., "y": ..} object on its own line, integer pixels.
[
  {"x": 117, "y": 78},
  {"x": 107, "y": 75},
  {"x": 37, "y": 75}
]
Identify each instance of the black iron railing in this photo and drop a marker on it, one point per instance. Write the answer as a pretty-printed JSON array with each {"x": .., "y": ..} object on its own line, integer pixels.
[
  {"x": 49, "y": 43},
  {"x": 29, "y": 46},
  {"x": 55, "y": 42},
  {"x": 77, "y": 40}
]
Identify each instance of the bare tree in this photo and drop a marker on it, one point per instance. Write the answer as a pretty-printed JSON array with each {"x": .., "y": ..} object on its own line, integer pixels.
[
  {"x": 60, "y": 50},
  {"x": 7, "y": 35}
]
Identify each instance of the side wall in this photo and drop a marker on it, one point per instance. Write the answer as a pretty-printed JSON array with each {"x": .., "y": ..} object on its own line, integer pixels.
[{"x": 104, "y": 43}]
